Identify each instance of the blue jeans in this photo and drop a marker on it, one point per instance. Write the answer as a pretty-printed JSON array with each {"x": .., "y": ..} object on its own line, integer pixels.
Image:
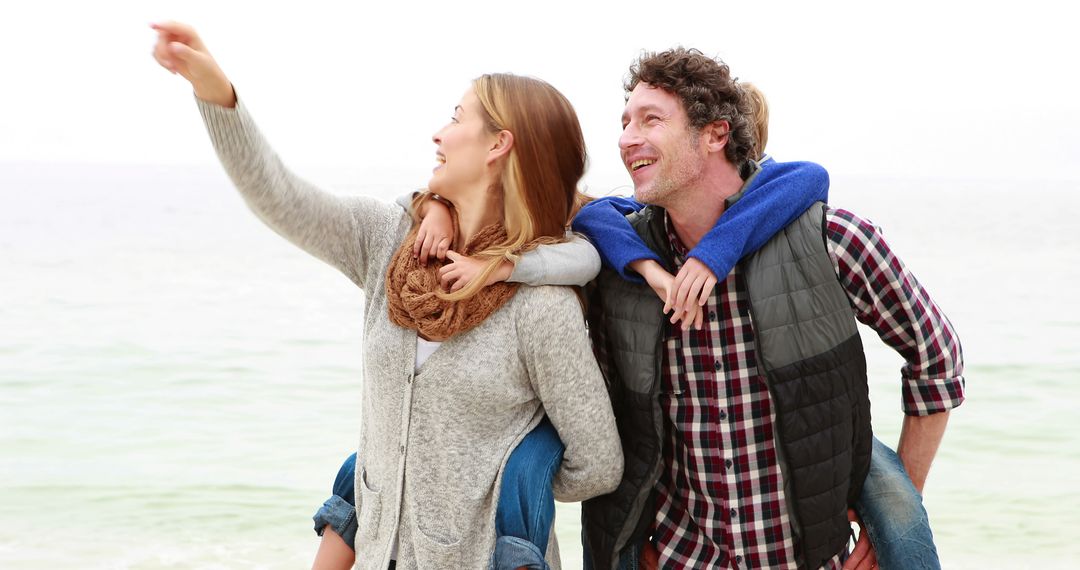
[
  {"x": 893, "y": 513},
  {"x": 524, "y": 516},
  {"x": 890, "y": 508}
]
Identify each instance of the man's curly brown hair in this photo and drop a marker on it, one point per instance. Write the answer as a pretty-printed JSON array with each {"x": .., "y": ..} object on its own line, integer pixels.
[{"x": 707, "y": 90}]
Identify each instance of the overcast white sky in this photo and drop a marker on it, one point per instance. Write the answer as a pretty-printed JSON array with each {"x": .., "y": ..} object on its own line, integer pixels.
[{"x": 911, "y": 89}]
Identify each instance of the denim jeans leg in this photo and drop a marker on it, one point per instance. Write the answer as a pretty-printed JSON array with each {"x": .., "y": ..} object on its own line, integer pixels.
[
  {"x": 526, "y": 509},
  {"x": 894, "y": 516},
  {"x": 339, "y": 511}
]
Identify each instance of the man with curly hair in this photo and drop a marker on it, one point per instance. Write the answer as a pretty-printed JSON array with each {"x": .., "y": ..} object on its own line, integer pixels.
[{"x": 747, "y": 438}]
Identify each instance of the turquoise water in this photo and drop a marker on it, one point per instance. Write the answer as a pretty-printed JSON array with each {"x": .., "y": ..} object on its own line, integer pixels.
[{"x": 178, "y": 385}]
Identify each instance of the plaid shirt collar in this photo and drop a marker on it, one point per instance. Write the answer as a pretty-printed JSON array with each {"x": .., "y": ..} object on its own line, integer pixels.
[{"x": 678, "y": 248}]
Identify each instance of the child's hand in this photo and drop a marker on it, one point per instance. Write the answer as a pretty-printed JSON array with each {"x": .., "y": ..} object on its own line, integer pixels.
[
  {"x": 436, "y": 231},
  {"x": 692, "y": 287},
  {"x": 463, "y": 269},
  {"x": 863, "y": 556},
  {"x": 650, "y": 558},
  {"x": 663, "y": 284},
  {"x": 656, "y": 276}
]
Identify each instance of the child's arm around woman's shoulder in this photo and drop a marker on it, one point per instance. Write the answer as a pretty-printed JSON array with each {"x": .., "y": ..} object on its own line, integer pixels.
[{"x": 572, "y": 262}]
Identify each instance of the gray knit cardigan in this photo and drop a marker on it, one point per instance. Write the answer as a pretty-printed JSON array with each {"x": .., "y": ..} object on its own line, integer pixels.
[{"x": 433, "y": 444}]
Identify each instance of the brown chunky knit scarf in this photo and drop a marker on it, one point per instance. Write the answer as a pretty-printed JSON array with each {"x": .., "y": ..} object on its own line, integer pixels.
[{"x": 411, "y": 291}]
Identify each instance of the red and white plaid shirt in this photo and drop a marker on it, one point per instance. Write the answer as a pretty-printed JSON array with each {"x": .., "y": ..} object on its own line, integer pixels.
[{"x": 721, "y": 494}]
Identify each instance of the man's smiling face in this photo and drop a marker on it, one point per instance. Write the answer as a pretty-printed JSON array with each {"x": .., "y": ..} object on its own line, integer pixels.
[{"x": 660, "y": 150}]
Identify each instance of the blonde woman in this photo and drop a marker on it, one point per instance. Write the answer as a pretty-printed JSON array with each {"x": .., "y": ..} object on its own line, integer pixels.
[{"x": 436, "y": 434}]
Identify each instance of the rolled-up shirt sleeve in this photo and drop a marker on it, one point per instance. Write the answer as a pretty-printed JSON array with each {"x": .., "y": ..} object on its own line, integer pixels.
[{"x": 887, "y": 297}]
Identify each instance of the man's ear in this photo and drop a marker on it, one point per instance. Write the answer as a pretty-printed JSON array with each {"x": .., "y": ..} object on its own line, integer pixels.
[
  {"x": 715, "y": 135},
  {"x": 504, "y": 141}
]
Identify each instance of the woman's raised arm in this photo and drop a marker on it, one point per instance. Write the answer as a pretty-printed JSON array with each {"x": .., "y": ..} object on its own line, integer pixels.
[{"x": 344, "y": 232}]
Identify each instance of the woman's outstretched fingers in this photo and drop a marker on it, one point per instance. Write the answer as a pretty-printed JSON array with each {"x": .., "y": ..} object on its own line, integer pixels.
[
  {"x": 186, "y": 61},
  {"x": 168, "y": 32},
  {"x": 179, "y": 50},
  {"x": 161, "y": 55},
  {"x": 178, "y": 32}
]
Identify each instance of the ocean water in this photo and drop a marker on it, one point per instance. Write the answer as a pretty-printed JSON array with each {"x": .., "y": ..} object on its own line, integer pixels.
[{"x": 178, "y": 385}]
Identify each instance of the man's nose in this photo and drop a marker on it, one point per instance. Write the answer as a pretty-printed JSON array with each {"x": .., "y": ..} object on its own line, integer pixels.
[{"x": 630, "y": 137}]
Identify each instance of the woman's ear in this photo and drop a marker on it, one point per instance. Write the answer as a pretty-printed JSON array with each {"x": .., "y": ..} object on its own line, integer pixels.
[
  {"x": 503, "y": 142},
  {"x": 716, "y": 135}
]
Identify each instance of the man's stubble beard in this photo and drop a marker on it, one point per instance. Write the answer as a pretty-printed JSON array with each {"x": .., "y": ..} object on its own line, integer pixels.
[{"x": 669, "y": 185}]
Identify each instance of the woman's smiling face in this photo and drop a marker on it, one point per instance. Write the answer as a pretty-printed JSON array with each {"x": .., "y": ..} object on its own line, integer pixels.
[{"x": 462, "y": 151}]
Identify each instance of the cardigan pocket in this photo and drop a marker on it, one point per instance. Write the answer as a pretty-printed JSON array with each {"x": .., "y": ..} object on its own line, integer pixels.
[
  {"x": 369, "y": 508},
  {"x": 433, "y": 551}
]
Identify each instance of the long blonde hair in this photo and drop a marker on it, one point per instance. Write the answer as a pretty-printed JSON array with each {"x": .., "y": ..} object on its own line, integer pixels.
[{"x": 539, "y": 177}]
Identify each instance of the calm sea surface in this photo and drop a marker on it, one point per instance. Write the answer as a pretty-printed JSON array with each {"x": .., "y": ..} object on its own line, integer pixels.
[{"x": 178, "y": 385}]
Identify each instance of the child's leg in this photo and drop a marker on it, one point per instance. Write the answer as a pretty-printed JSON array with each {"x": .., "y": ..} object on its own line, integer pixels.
[
  {"x": 333, "y": 553},
  {"x": 893, "y": 513},
  {"x": 339, "y": 513},
  {"x": 526, "y": 508},
  {"x": 523, "y": 519}
]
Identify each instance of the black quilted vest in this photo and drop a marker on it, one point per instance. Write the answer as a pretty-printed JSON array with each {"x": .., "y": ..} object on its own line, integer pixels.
[{"x": 809, "y": 351}]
